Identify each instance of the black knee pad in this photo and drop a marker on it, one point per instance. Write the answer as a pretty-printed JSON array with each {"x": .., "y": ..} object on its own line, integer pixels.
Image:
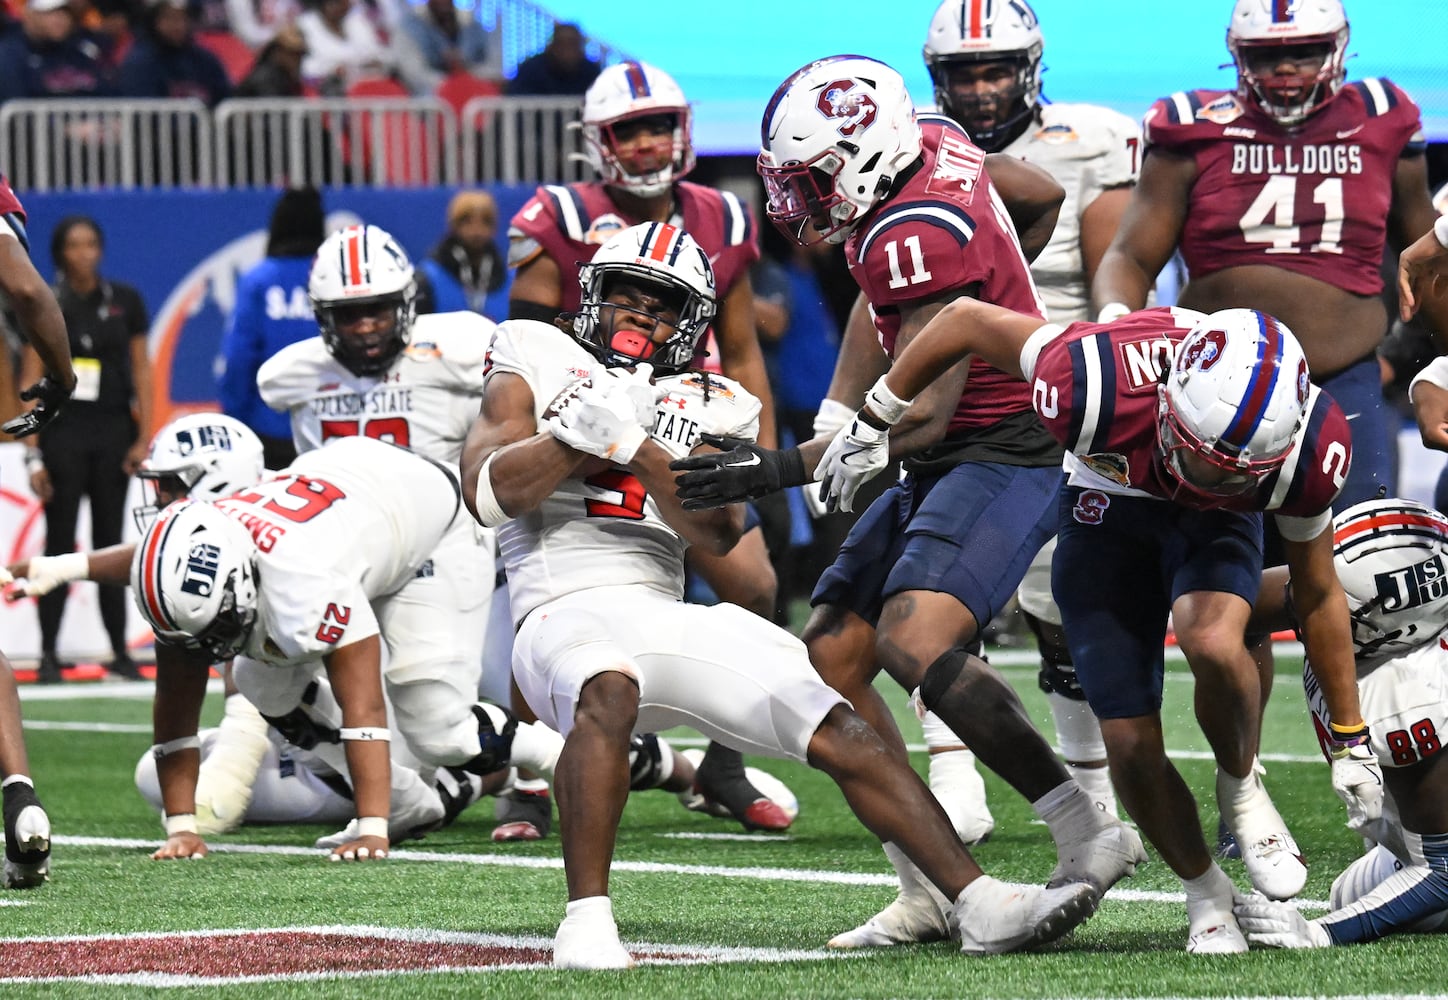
[
  {"x": 301, "y": 730},
  {"x": 940, "y": 675},
  {"x": 646, "y": 763},
  {"x": 496, "y": 741}
]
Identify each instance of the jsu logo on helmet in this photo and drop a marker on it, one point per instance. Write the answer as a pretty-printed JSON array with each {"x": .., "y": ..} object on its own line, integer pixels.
[
  {"x": 857, "y": 109},
  {"x": 1412, "y": 585},
  {"x": 211, "y": 437},
  {"x": 202, "y": 563}
]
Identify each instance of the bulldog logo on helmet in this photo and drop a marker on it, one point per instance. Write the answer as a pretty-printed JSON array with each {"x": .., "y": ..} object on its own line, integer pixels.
[
  {"x": 858, "y": 109},
  {"x": 1202, "y": 351}
]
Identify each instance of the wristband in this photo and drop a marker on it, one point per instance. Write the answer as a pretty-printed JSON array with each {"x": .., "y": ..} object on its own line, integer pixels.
[
  {"x": 366, "y": 734},
  {"x": 70, "y": 566},
  {"x": 1435, "y": 373},
  {"x": 1344, "y": 739},
  {"x": 173, "y": 746},
  {"x": 180, "y": 823},
  {"x": 883, "y": 402},
  {"x": 1112, "y": 311},
  {"x": 485, "y": 501},
  {"x": 34, "y": 461},
  {"x": 1440, "y": 230},
  {"x": 372, "y": 826}
]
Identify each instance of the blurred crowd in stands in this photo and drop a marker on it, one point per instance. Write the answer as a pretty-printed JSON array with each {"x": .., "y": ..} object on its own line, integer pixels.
[{"x": 216, "y": 49}]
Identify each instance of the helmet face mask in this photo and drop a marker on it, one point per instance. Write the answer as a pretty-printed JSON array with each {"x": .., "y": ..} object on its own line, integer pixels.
[
  {"x": 203, "y": 456},
  {"x": 835, "y": 136},
  {"x": 1307, "y": 37},
  {"x": 1230, "y": 406},
  {"x": 994, "y": 105},
  {"x": 194, "y": 575},
  {"x": 637, "y": 129},
  {"x": 646, "y": 281},
  {"x": 364, "y": 293},
  {"x": 1391, "y": 557}
]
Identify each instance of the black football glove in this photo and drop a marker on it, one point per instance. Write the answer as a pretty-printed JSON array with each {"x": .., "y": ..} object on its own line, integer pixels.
[
  {"x": 52, "y": 397},
  {"x": 741, "y": 470}
]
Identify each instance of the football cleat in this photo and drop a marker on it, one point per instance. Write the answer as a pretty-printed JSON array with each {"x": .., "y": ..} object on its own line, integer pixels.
[
  {"x": 590, "y": 941},
  {"x": 907, "y": 920},
  {"x": 1274, "y": 863},
  {"x": 720, "y": 793},
  {"x": 523, "y": 814},
  {"x": 995, "y": 917},
  {"x": 27, "y": 838},
  {"x": 1101, "y": 860},
  {"x": 1222, "y": 938}
]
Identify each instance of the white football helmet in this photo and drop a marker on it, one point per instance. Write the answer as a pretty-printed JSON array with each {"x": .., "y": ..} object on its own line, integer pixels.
[
  {"x": 626, "y": 92},
  {"x": 202, "y": 456},
  {"x": 194, "y": 578},
  {"x": 973, "y": 31},
  {"x": 1233, "y": 400},
  {"x": 1260, "y": 28},
  {"x": 363, "y": 266},
  {"x": 666, "y": 262},
  {"x": 835, "y": 135},
  {"x": 1392, "y": 559}
]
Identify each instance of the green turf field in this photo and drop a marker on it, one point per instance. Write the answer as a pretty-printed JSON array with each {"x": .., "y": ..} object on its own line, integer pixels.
[{"x": 718, "y": 916}]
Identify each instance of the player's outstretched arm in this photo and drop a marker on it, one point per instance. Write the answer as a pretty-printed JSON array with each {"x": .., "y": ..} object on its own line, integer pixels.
[
  {"x": 181, "y": 676},
  {"x": 39, "y": 575},
  {"x": 1322, "y": 616},
  {"x": 355, "y": 673}
]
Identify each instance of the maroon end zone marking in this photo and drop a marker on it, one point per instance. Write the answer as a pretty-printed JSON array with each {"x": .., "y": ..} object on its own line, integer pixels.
[{"x": 228, "y": 956}]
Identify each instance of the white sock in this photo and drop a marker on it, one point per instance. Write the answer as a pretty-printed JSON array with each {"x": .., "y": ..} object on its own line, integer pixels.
[
  {"x": 938, "y": 735},
  {"x": 1209, "y": 897},
  {"x": 1096, "y": 783},
  {"x": 23, "y": 779},
  {"x": 1069, "y": 813},
  {"x": 912, "y": 880},
  {"x": 590, "y": 909}
]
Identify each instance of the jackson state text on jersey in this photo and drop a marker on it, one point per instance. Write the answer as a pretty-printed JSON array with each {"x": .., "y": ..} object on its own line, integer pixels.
[
  {"x": 569, "y": 223},
  {"x": 945, "y": 230},
  {"x": 1094, "y": 386},
  {"x": 604, "y": 530},
  {"x": 1313, "y": 199},
  {"x": 426, "y": 400}
]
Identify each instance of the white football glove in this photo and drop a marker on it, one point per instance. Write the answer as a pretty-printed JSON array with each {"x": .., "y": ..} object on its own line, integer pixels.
[
  {"x": 831, "y": 417},
  {"x": 858, "y": 454},
  {"x": 601, "y": 416},
  {"x": 1277, "y": 925},
  {"x": 49, "y": 572},
  {"x": 1358, "y": 781}
]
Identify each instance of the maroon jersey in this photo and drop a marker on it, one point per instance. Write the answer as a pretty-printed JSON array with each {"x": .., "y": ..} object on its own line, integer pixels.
[
  {"x": 946, "y": 229},
  {"x": 12, "y": 213},
  {"x": 569, "y": 223},
  {"x": 1313, "y": 199},
  {"x": 1095, "y": 389}
]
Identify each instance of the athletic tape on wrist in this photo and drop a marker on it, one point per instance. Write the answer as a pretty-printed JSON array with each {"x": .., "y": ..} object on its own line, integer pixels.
[
  {"x": 485, "y": 501},
  {"x": 366, "y": 734},
  {"x": 372, "y": 826},
  {"x": 1436, "y": 373},
  {"x": 1112, "y": 311},
  {"x": 160, "y": 750},
  {"x": 180, "y": 823}
]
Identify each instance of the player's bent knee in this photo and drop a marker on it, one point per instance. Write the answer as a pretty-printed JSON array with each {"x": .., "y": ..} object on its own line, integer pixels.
[{"x": 608, "y": 701}]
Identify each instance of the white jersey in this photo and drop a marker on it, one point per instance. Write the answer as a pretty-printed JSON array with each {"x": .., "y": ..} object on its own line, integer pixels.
[
  {"x": 339, "y": 528},
  {"x": 1087, "y": 149},
  {"x": 604, "y": 531},
  {"x": 426, "y": 401}
]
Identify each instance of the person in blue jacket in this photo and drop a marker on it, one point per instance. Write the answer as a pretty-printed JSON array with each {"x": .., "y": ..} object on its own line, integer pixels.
[{"x": 272, "y": 311}]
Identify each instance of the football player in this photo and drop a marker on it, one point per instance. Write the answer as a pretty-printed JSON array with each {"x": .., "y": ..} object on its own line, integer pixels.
[
  {"x": 1216, "y": 416},
  {"x": 637, "y": 135},
  {"x": 985, "y": 62},
  {"x": 27, "y": 827},
  {"x": 307, "y": 572},
  {"x": 1392, "y": 559},
  {"x": 1280, "y": 196},
  {"x": 569, "y": 459},
  {"x": 846, "y": 160}
]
